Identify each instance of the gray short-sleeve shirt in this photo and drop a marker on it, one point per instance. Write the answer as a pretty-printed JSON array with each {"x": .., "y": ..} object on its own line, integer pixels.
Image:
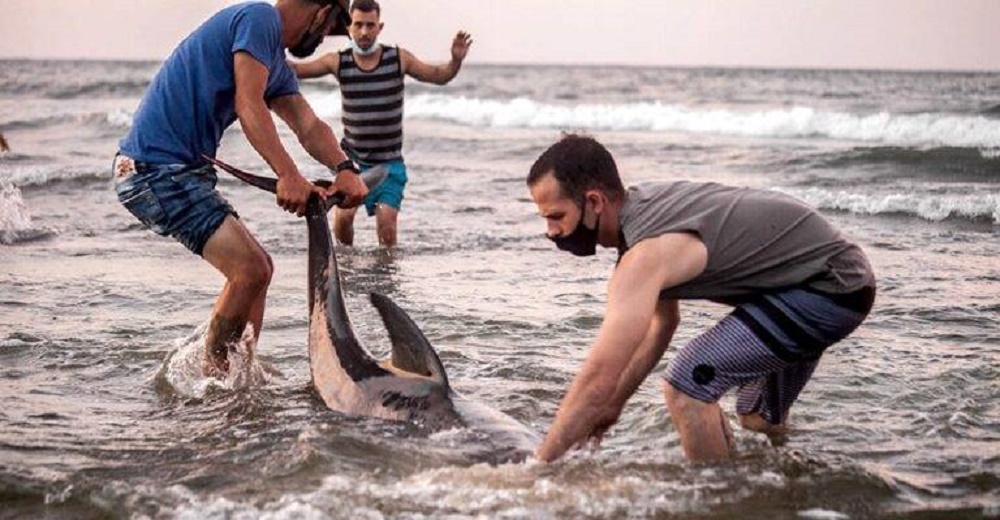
[{"x": 757, "y": 240}]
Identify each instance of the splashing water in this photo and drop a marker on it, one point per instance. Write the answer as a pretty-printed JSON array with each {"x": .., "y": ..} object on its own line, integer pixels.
[
  {"x": 182, "y": 369},
  {"x": 15, "y": 220}
]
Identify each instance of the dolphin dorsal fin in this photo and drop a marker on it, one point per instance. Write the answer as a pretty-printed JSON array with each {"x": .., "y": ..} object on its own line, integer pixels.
[{"x": 410, "y": 349}]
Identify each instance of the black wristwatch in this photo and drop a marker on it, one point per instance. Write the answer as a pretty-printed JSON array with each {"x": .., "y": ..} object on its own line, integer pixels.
[{"x": 346, "y": 164}]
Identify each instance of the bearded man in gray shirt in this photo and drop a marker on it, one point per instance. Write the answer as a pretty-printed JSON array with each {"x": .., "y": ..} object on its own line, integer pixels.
[{"x": 796, "y": 283}]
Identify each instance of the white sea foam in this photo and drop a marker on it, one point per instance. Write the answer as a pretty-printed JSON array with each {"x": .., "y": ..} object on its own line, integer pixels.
[
  {"x": 119, "y": 118},
  {"x": 822, "y": 514},
  {"x": 15, "y": 219},
  {"x": 990, "y": 153},
  {"x": 926, "y": 205},
  {"x": 795, "y": 122}
]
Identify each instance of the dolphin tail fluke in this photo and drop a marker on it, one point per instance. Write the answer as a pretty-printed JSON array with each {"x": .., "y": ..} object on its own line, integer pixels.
[{"x": 410, "y": 349}]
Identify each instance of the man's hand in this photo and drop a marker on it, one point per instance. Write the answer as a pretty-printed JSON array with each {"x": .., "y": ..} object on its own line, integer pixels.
[
  {"x": 350, "y": 185},
  {"x": 606, "y": 421},
  {"x": 460, "y": 46},
  {"x": 294, "y": 192}
]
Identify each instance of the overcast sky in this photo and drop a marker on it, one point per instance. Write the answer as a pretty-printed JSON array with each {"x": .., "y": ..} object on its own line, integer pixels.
[{"x": 894, "y": 34}]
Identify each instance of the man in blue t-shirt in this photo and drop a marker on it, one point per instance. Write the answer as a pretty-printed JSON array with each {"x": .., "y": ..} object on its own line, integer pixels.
[{"x": 232, "y": 67}]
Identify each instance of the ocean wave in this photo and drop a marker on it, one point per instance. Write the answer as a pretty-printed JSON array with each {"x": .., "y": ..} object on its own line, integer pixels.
[
  {"x": 907, "y": 130},
  {"x": 45, "y": 88},
  {"x": 883, "y": 129},
  {"x": 949, "y": 163},
  {"x": 934, "y": 207},
  {"x": 41, "y": 174},
  {"x": 117, "y": 119}
]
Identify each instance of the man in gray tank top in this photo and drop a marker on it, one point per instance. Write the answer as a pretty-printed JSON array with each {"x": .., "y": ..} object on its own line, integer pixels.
[
  {"x": 371, "y": 86},
  {"x": 796, "y": 283}
]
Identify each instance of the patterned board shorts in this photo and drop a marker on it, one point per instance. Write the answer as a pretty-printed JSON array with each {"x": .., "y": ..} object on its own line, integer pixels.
[
  {"x": 173, "y": 200},
  {"x": 768, "y": 348}
]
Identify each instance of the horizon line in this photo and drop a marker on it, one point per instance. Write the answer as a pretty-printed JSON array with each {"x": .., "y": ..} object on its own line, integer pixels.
[{"x": 500, "y": 63}]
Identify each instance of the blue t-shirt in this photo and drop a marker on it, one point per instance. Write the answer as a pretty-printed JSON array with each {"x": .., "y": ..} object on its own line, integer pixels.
[{"x": 191, "y": 101}]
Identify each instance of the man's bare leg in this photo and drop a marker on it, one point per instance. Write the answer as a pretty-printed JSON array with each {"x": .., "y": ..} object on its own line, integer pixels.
[
  {"x": 704, "y": 431},
  {"x": 248, "y": 270},
  {"x": 385, "y": 223},
  {"x": 343, "y": 225},
  {"x": 756, "y": 423}
]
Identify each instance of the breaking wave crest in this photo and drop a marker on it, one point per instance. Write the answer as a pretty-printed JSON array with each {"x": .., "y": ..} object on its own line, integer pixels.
[
  {"x": 928, "y": 129},
  {"x": 933, "y": 207},
  {"x": 797, "y": 122}
]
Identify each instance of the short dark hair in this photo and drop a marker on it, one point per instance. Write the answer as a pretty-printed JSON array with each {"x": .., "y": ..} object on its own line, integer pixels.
[
  {"x": 366, "y": 6},
  {"x": 579, "y": 163}
]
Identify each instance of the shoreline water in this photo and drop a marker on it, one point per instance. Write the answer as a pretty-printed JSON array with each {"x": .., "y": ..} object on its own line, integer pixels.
[{"x": 900, "y": 420}]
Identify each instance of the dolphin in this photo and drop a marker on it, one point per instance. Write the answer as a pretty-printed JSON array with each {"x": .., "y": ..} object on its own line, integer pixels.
[{"x": 412, "y": 385}]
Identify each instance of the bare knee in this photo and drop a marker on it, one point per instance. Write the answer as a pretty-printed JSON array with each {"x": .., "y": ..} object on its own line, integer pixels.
[
  {"x": 677, "y": 401},
  {"x": 704, "y": 432},
  {"x": 255, "y": 272},
  {"x": 684, "y": 408}
]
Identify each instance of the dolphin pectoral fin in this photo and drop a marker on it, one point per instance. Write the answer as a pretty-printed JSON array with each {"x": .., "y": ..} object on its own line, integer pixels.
[
  {"x": 410, "y": 349},
  {"x": 263, "y": 183}
]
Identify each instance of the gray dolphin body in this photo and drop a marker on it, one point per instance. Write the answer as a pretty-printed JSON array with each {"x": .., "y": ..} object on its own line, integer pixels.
[{"x": 413, "y": 385}]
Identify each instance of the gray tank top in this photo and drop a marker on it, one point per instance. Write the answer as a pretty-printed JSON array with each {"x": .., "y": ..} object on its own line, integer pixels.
[
  {"x": 372, "y": 107},
  {"x": 757, "y": 240}
]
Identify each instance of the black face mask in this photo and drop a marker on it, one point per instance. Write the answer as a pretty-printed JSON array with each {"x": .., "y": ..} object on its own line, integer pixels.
[
  {"x": 582, "y": 241},
  {"x": 307, "y": 44},
  {"x": 311, "y": 39}
]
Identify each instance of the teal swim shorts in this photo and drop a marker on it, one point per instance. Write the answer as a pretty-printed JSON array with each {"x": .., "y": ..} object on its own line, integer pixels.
[{"x": 390, "y": 192}]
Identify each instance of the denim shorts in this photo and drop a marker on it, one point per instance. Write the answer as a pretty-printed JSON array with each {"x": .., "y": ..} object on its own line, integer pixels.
[
  {"x": 390, "y": 192},
  {"x": 173, "y": 200}
]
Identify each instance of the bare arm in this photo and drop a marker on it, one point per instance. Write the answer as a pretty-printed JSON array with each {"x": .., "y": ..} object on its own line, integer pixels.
[
  {"x": 438, "y": 74},
  {"x": 327, "y": 64},
  {"x": 609, "y": 372},
  {"x": 319, "y": 140},
  {"x": 251, "y": 82},
  {"x": 654, "y": 344}
]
